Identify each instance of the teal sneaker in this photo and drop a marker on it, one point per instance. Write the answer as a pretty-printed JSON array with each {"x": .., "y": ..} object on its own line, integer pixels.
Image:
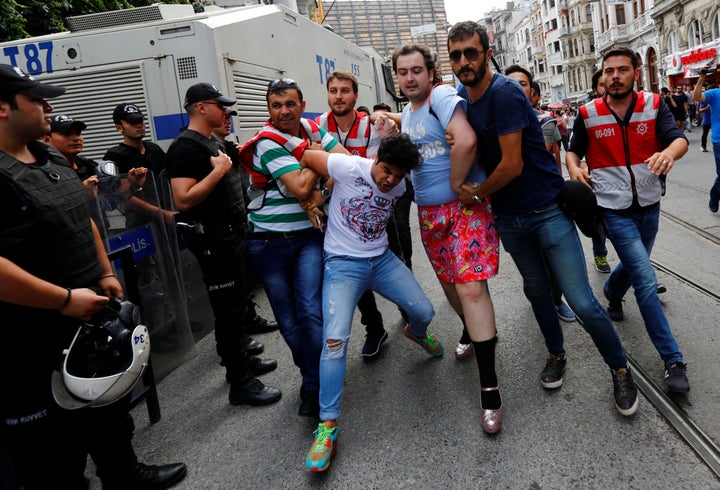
[
  {"x": 323, "y": 448},
  {"x": 431, "y": 345}
]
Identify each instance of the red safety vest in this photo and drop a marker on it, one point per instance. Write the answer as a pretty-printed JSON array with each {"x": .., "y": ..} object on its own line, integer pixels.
[
  {"x": 293, "y": 144},
  {"x": 357, "y": 138},
  {"x": 616, "y": 154}
]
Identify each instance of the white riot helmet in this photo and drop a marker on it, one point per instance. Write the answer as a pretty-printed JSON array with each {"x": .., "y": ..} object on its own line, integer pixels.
[{"x": 105, "y": 359}]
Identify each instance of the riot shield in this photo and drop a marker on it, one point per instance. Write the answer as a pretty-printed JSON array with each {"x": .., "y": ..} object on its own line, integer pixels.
[
  {"x": 131, "y": 215},
  {"x": 199, "y": 310}
]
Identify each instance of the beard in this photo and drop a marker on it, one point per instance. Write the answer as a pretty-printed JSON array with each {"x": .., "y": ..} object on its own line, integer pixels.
[
  {"x": 619, "y": 93},
  {"x": 478, "y": 75},
  {"x": 342, "y": 112}
]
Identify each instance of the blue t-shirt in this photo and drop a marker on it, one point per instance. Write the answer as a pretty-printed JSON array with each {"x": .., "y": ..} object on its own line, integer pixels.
[
  {"x": 712, "y": 97},
  {"x": 431, "y": 178},
  {"x": 503, "y": 109},
  {"x": 707, "y": 115}
]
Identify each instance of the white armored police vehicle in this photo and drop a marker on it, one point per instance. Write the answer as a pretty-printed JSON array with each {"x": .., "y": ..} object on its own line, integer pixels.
[{"x": 149, "y": 56}]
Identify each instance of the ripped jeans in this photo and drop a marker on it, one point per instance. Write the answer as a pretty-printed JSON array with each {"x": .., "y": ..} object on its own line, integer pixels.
[{"x": 345, "y": 279}]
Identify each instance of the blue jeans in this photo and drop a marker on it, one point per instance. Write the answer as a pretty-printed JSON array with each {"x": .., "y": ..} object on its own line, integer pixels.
[
  {"x": 633, "y": 235},
  {"x": 548, "y": 230},
  {"x": 290, "y": 269},
  {"x": 715, "y": 189},
  {"x": 345, "y": 280}
]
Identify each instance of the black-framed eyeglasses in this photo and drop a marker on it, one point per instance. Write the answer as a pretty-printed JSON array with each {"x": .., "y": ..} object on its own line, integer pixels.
[
  {"x": 471, "y": 54},
  {"x": 282, "y": 83}
]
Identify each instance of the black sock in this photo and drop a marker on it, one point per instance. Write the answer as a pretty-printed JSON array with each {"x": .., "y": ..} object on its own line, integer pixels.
[
  {"x": 485, "y": 356},
  {"x": 465, "y": 337}
]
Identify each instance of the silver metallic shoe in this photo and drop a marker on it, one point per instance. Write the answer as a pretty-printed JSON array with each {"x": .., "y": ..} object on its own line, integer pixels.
[
  {"x": 491, "y": 420},
  {"x": 463, "y": 351}
]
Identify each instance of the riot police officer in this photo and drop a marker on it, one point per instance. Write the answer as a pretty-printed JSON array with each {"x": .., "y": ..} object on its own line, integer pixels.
[{"x": 53, "y": 274}]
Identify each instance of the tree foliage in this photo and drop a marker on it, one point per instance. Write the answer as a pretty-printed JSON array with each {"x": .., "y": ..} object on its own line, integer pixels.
[{"x": 27, "y": 18}]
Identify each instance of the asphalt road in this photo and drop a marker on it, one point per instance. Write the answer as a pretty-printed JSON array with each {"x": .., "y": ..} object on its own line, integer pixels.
[{"x": 409, "y": 421}]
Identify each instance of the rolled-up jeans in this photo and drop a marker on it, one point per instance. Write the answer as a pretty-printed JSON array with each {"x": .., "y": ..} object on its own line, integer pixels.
[
  {"x": 549, "y": 230},
  {"x": 345, "y": 279}
]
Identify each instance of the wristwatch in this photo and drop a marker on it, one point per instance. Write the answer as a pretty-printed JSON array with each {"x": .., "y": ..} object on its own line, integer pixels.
[{"x": 325, "y": 193}]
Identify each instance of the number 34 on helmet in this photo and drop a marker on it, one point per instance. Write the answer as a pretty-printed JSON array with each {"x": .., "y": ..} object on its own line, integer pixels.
[{"x": 105, "y": 360}]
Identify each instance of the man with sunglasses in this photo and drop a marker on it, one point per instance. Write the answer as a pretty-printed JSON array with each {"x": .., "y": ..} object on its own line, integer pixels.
[
  {"x": 207, "y": 189},
  {"x": 285, "y": 244},
  {"x": 524, "y": 182},
  {"x": 460, "y": 240}
]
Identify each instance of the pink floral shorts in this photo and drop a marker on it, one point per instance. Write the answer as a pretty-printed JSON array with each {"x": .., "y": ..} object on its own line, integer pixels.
[{"x": 460, "y": 240}]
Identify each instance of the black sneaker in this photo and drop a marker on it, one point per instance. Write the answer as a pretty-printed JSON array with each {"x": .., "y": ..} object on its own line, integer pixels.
[
  {"x": 626, "y": 396},
  {"x": 373, "y": 341},
  {"x": 309, "y": 403},
  {"x": 552, "y": 376},
  {"x": 615, "y": 308},
  {"x": 252, "y": 391},
  {"x": 662, "y": 288},
  {"x": 676, "y": 377}
]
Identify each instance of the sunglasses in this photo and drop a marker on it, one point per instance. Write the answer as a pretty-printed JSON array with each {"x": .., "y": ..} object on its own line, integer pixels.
[
  {"x": 282, "y": 83},
  {"x": 471, "y": 54},
  {"x": 221, "y": 106}
]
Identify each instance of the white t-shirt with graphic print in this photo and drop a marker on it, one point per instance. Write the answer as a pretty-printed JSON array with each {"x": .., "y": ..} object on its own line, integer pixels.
[{"x": 358, "y": 211}]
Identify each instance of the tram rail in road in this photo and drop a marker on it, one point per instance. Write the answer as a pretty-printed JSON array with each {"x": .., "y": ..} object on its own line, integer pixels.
[
  {"x": 696, "y": 229},
  {"x": 694, "y": 436},
  {"x": 698, "y": 441}
]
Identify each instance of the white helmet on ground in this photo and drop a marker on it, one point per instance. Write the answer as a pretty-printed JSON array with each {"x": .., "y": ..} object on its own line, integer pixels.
[{"x": 105, "y": 359}]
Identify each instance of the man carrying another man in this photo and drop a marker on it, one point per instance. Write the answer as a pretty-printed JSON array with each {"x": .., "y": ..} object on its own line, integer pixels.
[
  {"x": 524, "y": 182},
  {"x": 355, "y": 132},
  {"x": 460, "y": 239},
  {"x": 285, "y": 245}
]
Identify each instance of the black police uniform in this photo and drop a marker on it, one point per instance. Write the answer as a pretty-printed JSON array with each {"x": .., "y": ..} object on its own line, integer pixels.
[
  {"x": 127, "y": 157},
  {"x": 45, "y": 229},
  {"x": 219, "y": 245}
]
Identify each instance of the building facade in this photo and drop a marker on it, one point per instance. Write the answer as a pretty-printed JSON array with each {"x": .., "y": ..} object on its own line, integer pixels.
[
  {"x": 578, "y": 38},
  {"x": 688, "y": 38},
  {"x": 388, "y": 25}
]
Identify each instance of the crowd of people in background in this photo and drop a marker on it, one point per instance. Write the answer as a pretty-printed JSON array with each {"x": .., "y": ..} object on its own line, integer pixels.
[{"x": 327, "y": 221}]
